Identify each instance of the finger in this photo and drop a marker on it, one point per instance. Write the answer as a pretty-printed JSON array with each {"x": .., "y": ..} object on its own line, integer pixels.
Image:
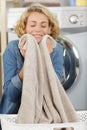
[
  {"x": 22, "y": 43},
  {"x": 22, "y": 52}
]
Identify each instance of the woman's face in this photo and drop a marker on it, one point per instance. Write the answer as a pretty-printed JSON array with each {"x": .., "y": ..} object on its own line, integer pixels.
[{"x": 38, "y": 25}]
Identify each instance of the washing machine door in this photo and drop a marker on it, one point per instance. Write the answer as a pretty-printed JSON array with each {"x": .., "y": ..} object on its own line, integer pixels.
[{"x": 71, "y": 62}]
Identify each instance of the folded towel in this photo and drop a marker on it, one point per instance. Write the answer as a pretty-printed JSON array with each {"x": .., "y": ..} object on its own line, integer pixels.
[
  {"x": 51, "y": 3},
  {"x": 44, "y": 99}
]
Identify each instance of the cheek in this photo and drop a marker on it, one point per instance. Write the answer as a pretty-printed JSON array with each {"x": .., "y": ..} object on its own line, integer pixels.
[
  {"x": 47, "y": 31},
  {"x": 28, "y": 29}
]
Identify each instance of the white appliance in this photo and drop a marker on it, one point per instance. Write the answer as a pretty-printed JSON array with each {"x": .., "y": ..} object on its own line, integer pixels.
[
  {"x": 78, "y": 91},
  {"x": 73, "y": 24},
  {"x": 74, "y": 31}
]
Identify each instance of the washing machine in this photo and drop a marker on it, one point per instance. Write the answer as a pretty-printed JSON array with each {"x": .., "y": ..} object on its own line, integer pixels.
[
  {"x": 76, "y": 81},
  {"x": 73, "y": 37},
  {"x": 73, "y": 25}
]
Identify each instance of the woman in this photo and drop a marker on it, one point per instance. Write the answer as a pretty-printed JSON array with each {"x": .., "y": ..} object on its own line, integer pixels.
[{"x": 37, "y": 21}]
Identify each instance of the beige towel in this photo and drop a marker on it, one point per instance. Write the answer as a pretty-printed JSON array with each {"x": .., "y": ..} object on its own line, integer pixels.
[
  {"x": 51, "y": 3},
  {"x": 43, "y": 98}
]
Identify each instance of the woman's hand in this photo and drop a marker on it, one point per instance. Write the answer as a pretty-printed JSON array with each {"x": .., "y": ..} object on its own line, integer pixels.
[
  {"x": 20, "y": 74},
  {"x": 49, "y": 45},
  {"x": 22, "y": 51}
]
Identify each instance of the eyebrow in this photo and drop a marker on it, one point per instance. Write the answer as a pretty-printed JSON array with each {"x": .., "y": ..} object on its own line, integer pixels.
[{"x": 41, "y": 22}]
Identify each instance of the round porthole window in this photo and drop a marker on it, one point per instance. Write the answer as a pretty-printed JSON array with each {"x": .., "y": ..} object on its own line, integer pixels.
[{"x": 71, "y": 63}]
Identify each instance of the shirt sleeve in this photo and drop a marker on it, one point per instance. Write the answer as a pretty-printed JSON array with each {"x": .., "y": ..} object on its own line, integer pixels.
[
  {"x": 57, "y": 60},
  {"x": 12, "y": 82}
]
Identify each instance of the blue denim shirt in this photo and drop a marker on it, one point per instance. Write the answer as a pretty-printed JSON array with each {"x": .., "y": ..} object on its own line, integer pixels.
[{"x": 13, "y": 62}]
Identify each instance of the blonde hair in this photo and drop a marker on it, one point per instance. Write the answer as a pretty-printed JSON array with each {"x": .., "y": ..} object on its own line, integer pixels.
[{"x": 20, "y": 27}]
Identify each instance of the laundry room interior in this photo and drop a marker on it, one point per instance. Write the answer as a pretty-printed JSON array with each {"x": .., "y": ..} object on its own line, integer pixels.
[{"x": 72, "y": 17}]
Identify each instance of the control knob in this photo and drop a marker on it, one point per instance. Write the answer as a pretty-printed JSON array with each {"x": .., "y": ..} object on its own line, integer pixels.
[{"x": 73, "y": 19}]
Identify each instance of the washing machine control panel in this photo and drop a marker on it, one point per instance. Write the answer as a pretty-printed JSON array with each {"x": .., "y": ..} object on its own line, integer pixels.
[{"x": 72, "y": 17}]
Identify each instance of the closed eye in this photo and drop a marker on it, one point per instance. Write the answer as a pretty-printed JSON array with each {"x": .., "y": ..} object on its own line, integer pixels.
[
  {"x": 43, "y": 26},
  {"x": 33, "y": 25}
]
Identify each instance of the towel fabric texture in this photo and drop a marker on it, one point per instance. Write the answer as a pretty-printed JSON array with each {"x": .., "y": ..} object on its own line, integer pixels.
[
  {"x": 50, "y": 3},
  {"x": 44, "y": 99}
]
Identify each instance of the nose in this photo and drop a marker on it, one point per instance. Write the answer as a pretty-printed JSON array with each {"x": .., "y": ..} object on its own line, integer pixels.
[{"x": 38, "y": 28}]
